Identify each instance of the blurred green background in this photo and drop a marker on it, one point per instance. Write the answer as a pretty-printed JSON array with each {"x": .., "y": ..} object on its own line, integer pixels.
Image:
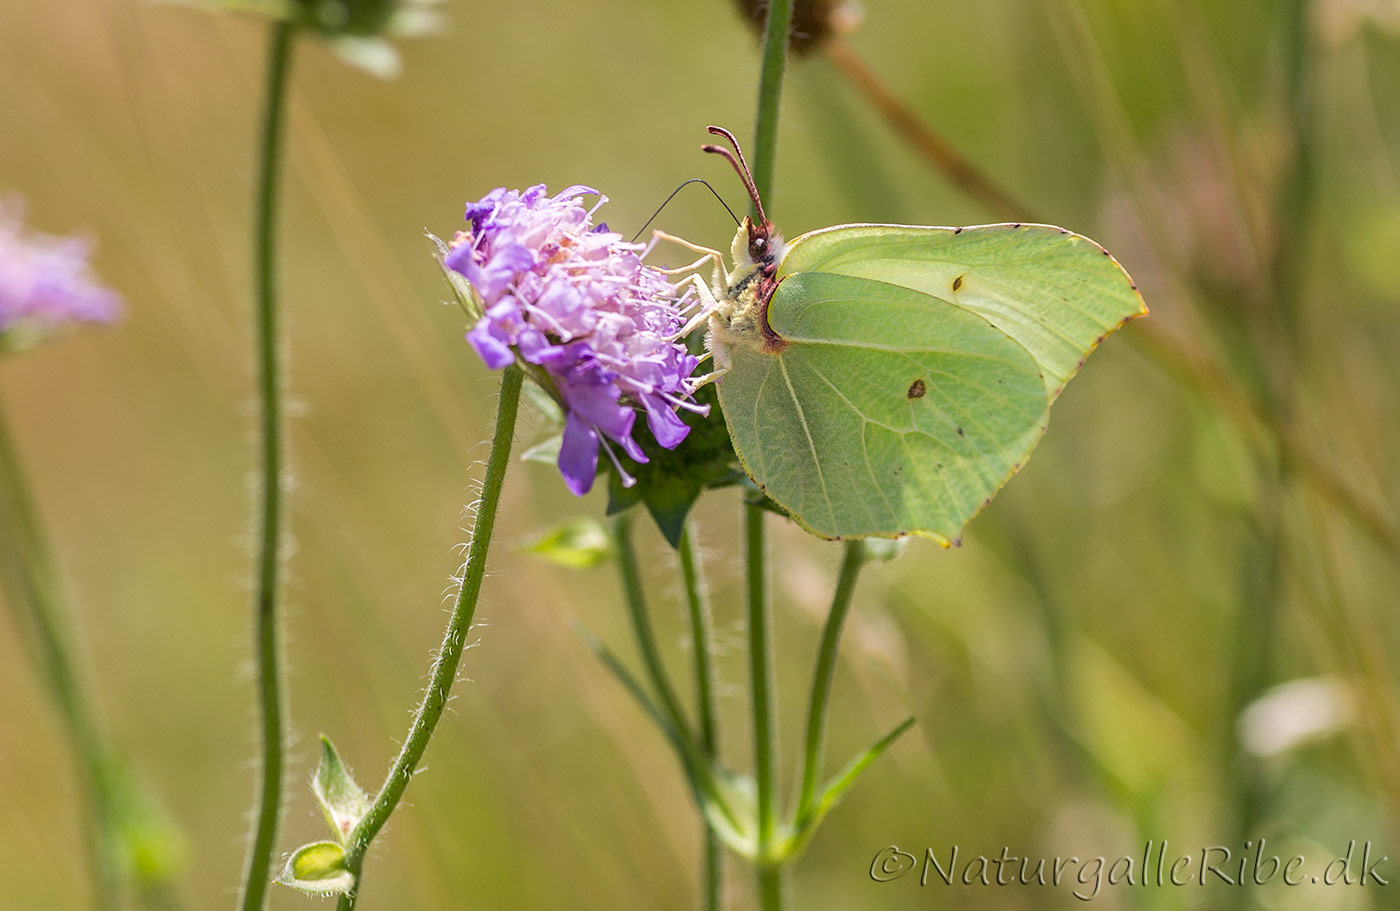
[{"x": 1077, "y": 668}]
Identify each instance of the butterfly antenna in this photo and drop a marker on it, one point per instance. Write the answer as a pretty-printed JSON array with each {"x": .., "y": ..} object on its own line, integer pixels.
[
  {"x": 741, "y": 167},
  {"x": 673, "y": 196}
]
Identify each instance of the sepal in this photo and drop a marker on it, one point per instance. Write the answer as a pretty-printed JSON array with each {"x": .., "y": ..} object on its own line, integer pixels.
[
  {"x": 342, "y": 801},
  {"x": 318, "y": 869}
]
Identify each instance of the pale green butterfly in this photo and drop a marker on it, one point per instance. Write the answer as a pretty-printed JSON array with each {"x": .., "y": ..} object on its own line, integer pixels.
[{"x": 887, "y": 380}]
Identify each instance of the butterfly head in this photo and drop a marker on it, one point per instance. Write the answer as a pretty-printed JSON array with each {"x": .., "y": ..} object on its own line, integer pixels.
[
  {"x": 757, "y": 243},
  {"x": 757, "y": 247}
]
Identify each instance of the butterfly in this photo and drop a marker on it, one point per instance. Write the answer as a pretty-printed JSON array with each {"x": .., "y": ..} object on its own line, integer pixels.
[{"x": 888, "y": 380}]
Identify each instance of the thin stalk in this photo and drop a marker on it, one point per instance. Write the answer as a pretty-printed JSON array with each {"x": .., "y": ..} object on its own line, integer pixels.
[
  {"x": 257, "y": 867},
  {"x": 30, "y": 587},
  {"x": 772, "y": 889},
  {"x": 761, "y": 673},
  {"x": 698, "y": 766},
  {"x": 697, "y": 604},
  {"x": 761, "y": 669},
  {"x": 641, "y": 624},
  {"x": 851, "y": 563},
  {"x": 770, "y": 89},
  {"x": 454, "y": 639},
  {"x": 1280, "y": 348}
]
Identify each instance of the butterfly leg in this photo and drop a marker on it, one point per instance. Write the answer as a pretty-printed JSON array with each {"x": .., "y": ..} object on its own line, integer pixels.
[
  {"x": 721, "y": 276},
  {"x": 697, "y": 381},
  {"x": 712, "y": 377},
  {"x": 708, "y": 305},
  {"x": 690, "y": 268}
]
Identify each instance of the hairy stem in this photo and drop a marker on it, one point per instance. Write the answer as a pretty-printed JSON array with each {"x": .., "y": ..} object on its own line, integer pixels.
[
  {"x": 851, "y": 563},
  {"x": 454, "y": 639},
  {"x": 256, "y": 870}
]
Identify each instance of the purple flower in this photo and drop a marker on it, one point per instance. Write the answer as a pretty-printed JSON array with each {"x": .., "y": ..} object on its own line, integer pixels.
[
  {"x": 576, "y": 300},
  {"x": 45, "y": 283}
]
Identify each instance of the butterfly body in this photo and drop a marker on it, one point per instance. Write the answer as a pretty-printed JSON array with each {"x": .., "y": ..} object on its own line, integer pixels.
[{"x": 739, "y": 317}]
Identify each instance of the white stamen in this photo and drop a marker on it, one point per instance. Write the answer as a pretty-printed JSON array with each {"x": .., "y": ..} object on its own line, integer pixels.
[{"x": 627, "y": 479}]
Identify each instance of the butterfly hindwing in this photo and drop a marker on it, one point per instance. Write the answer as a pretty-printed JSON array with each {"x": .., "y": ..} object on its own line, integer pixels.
[{"x": 887, "y": 412}]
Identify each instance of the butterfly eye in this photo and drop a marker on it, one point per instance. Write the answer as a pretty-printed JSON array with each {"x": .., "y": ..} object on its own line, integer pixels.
[{"x": 757, "y": 247}]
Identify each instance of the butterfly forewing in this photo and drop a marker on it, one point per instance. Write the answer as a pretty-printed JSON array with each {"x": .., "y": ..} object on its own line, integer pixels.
[{"x": 1055, "y": 292}]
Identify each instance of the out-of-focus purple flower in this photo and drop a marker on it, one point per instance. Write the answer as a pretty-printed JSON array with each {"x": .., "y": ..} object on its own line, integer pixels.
[
  {"x": 46, "y": 283},
  {"x": 577, "y": 300}
]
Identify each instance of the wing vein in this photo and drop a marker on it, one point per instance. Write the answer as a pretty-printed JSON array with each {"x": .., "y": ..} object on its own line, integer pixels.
[{"x": 811, "y": 444}]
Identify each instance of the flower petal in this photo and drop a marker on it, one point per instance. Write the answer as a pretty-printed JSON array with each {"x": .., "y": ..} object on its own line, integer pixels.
[
  {"x": 665, "y": 424},
  {"x": 578, "y": 455}
]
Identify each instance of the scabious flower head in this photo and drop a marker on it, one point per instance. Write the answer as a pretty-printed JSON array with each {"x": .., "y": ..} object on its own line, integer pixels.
[
  {"x": 46, "y": 283},
  {"x": 576, "y": 300}
]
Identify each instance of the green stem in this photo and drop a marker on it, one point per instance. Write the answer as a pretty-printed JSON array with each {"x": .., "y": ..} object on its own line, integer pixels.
[
  {"x": 454, "y": 640},
  {"x": 770, "y": 89},
  {"x": 641, "y": 624},
  {"x": 761, "y": 672},
  {"x": 257, "y": 868},
  {"x": 851, "y": 564},
  {"x": 31, "y": 588},
  {"x": 761, "y": 669},
  {"x": 698, "y": 605},
  {"x": 772, "y": 891},
  {"x": 697, "y": 602},
  {"x": 698, "y": 767}
]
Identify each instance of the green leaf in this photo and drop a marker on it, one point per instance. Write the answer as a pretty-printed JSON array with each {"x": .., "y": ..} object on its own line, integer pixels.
[
  {"x": 809, "y": 817},
  {"x": 340, "y": 798},
  {"x": 673, "y": 479},
  {"x": 546, "y": 451},
  {"x": 726, "y": 803},
  {"x": 548, "y": 407},
  {"x": 912, "y": 369},
  {"x": 578, "y": 543},
  {"x": 318, "y": 869}
]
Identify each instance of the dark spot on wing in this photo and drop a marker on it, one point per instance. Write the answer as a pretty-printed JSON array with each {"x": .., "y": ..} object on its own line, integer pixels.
[
  {"x": 957, "y": 230},
  {"x": 961, "y": 432},
  {"x": 917, "y": 389},
  {"x": 957, "y": 282}
]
